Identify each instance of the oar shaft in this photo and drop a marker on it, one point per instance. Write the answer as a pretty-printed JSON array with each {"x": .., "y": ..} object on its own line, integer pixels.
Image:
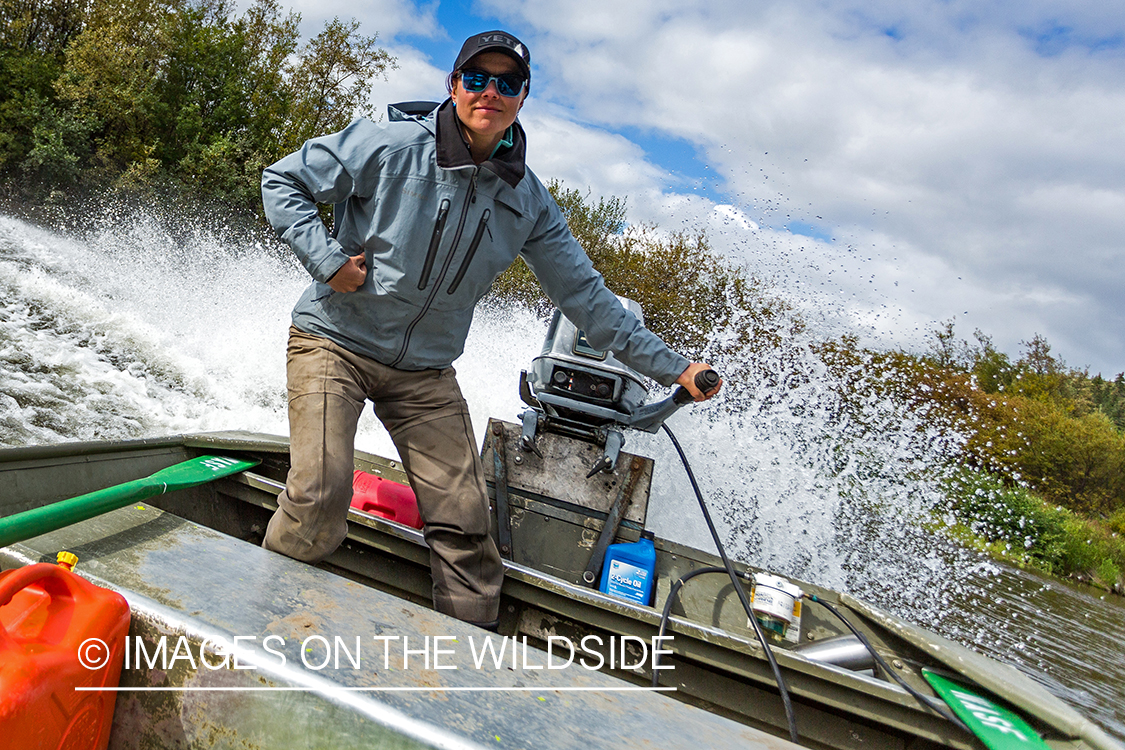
[
  {"x": 30, "y": 523},
  {"x": 36, "y": 521}
]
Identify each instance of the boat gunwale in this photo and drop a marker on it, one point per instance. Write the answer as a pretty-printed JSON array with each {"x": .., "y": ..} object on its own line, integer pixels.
[{"x": 1061, "y": 719}]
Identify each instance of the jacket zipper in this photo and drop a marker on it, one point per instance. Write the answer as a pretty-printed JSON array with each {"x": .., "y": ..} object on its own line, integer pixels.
[
  {"x": 483, "y": 225},
  {"x": 469, "y": 199},
  {"x": 435, "y": 241}
]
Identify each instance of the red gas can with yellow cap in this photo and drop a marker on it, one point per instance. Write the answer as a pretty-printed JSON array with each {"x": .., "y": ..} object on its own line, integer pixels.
[{"x": 59, "y": 634}]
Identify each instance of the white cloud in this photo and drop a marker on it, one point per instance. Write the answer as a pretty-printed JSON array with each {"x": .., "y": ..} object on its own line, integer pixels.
[
  {"x": 389, "y": 18},
  {"x": 415, "y": 79},
  {"x": 975, "y": 150},
  {"x": 727, "y": 214},
  {"x": 585, "y": 157},
  {"x": 984, "y": 140}
]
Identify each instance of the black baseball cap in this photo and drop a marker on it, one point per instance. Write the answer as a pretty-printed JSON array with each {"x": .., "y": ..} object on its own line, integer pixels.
[{"x": 496, "y": 41}]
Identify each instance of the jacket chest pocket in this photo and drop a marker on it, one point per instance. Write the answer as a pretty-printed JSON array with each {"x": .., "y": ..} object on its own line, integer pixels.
[
  {"x": 454, "y": 257},
  {"x": 435, "y": 243},
  {"x": 490, "y": 242},
  {"x": 446, "y": 251},
  {"x": 482, "y": 227}
]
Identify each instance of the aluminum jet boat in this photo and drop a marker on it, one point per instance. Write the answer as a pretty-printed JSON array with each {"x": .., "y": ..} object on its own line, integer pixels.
[{"x": 608, "y": 635}]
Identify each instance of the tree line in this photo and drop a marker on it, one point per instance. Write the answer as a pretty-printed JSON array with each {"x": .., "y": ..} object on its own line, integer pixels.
[
  {"x": 1039, "y": 478},
  {"x": 1038, "y": 421},
  {"x": 1045, "y": 456},
  {"x": 183, "y": 94}
]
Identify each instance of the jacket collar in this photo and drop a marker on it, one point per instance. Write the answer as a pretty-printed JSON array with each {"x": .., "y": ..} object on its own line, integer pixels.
[{"x": 453, "y": 152}]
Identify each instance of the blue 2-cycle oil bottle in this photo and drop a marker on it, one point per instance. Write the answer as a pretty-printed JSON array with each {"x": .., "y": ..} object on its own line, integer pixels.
[{"x": 629, "y": 570}]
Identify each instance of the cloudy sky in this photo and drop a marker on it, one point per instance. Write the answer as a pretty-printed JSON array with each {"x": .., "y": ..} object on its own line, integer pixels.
[{"x": 889, "y": 165}]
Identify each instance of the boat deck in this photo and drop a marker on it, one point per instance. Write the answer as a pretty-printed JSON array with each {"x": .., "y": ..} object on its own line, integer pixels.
[
  {"x": 190, "y": 565},
  {"x": 184, "y": 579}
]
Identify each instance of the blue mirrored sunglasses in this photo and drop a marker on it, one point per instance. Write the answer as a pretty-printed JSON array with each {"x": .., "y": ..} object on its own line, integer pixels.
[{"x": 507, "y": 84}]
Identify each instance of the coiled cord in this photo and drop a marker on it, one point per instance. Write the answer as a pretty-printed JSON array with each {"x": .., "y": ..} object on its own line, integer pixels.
[
  {"x": 667, "y": 613},
  {"x": 729, "y": 568}
]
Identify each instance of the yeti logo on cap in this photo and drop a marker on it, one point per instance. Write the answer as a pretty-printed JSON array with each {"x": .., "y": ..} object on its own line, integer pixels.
[{"x": 504, "y": 39}]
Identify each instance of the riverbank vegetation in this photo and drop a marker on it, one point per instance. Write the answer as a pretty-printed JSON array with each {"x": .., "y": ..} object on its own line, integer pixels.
[
  {"x": 187, "y": 99},
  {"x": 1045, "y": 458},
  {"x": 174, "y": 97}
]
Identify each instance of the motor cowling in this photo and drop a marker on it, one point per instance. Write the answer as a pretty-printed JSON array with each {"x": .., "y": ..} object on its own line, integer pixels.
[{"x": 583, "y": 383}]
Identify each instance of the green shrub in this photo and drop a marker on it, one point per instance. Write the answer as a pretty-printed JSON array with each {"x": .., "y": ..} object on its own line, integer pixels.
[
  {"x": 699, "y": 303},
  {"x": 1108, "y": 572},
  {"x": 1027, "y": 528},
  {"x": 1078, "y": 555},
  {"x": 1116, "y": 523},
  {"x": 998, "y": 512},
  {"x": 1013, "y": 523}
]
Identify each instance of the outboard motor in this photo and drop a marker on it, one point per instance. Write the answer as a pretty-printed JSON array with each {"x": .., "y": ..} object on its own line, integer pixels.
[
  {"x": 581, "y": 399},
  {"x": 572, "y": 380},
  {"x": 578, "y": 390}
]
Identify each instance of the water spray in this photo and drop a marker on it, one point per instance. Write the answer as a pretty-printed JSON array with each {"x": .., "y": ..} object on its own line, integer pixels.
[{"x": 578, "y": 390}]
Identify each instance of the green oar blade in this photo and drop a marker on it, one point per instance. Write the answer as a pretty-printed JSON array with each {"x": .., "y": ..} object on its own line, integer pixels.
[
  {"x": 199, "y": 471},
  {"x": 995, "y": 726},
  {"x": 36, "y": 521}
]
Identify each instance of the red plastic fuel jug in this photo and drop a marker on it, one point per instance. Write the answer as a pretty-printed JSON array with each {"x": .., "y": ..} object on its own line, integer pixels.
[
  {"x": 382, "y": 497},
  {"x": 58, "y": 632}
]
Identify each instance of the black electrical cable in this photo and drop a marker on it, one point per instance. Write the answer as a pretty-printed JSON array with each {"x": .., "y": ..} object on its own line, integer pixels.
[
  {"x": 922, "y": 699},
  {"x": 667, "y": 613},
  {"x": 929, "y": 703},
  {"x": 782, "y": 689}
]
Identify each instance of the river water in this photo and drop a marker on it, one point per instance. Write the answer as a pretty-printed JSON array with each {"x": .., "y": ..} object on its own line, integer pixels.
[{"x": 142, "y": 325}]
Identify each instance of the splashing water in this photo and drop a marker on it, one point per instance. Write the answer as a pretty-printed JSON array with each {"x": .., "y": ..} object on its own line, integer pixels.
[
  {"x": 811, "y": 483},
  {"x": 133, "y": 332},
  {"x": 138, "y": 330},
  {"x": 144, "y": 326}
]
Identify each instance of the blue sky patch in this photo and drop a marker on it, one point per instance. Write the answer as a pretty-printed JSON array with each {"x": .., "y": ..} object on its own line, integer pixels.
[
  {"x": 805, "y": 229},
  {"x": 460, "y": 19},
  {"x": 1053, "y": 39},
  {"x": 688, "y": 172}
]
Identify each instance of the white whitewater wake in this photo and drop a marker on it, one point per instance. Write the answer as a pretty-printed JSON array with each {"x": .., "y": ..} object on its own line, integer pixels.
[
  {"x": 141, "y": 327},
  {"x": 144, "y": 326}
]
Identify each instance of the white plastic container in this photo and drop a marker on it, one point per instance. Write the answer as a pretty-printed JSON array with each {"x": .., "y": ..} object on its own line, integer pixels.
[{"x": 777, "y": 606}]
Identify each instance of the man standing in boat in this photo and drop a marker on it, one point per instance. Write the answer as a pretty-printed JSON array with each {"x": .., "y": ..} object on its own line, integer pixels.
[{"x": 428, "y": 213}]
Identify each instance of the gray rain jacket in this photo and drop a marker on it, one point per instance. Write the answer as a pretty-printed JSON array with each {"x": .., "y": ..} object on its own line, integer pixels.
[{"x": 436, "y": 230}]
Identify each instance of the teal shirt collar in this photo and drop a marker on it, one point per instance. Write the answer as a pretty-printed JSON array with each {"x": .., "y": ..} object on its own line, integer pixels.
[{"x": 506, "y": 142}]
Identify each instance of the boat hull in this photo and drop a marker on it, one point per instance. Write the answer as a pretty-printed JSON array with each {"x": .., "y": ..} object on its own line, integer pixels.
[{"x": 209, "y": 537}]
